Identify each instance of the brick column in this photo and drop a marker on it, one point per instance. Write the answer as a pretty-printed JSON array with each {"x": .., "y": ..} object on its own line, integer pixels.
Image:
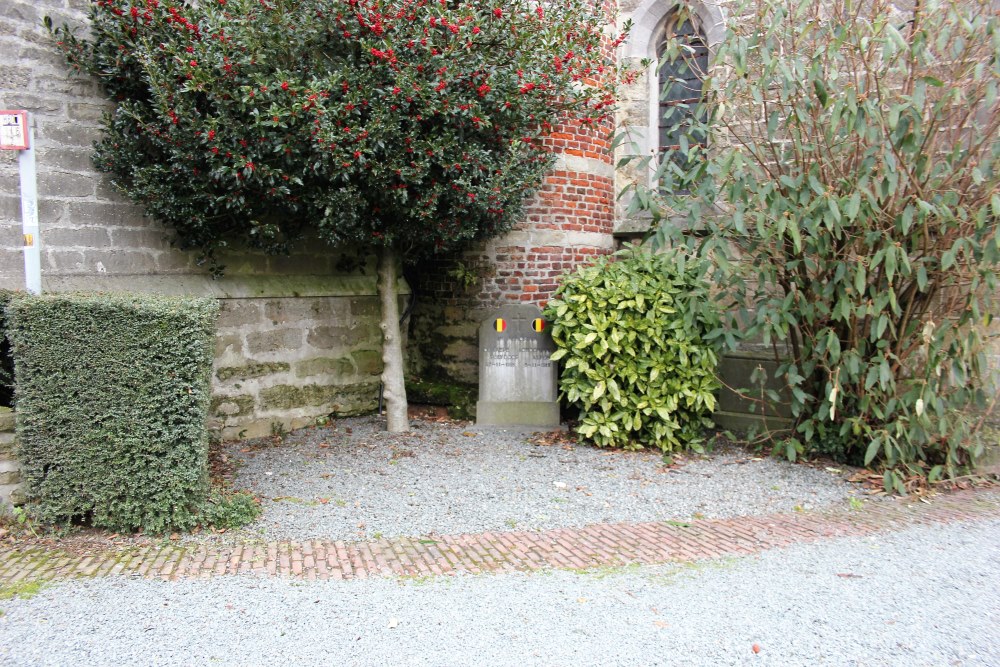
[{"x": 570, "y": 221}]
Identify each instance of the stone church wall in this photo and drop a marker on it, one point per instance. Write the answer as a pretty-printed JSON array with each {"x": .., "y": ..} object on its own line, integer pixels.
[{"x": 298, "y": 337}]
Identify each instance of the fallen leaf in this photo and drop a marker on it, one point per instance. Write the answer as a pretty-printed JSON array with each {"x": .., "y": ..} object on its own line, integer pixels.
[
  {"x": 175, "y": 536},
  {"x": 323, "y": 501},
  {"x": 581, "y": 600},
  {"x": 835, "y": 471},
  {"x": 849, "y": 575},
  {"x": 468, "y": 434},
  {"x": 661, "y": 624},
  {"x": 755, "y": 648},
  {"x": 323, "y": 445}
]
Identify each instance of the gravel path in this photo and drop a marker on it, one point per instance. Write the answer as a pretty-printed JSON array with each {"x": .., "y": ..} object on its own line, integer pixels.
[
  {"x": 924, "y": 596},
  {"x": 354, "y": 481}
]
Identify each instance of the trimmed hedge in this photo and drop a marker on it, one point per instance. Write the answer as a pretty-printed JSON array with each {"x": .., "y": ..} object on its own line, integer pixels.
[
  {"x": 632, "y": 332},
  {"x": 112, "y": 400},
  {"x": 6, "y": 361}
]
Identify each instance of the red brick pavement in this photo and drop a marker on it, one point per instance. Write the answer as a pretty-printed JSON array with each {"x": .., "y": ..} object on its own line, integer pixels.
[{"x": 600, "y": 545}]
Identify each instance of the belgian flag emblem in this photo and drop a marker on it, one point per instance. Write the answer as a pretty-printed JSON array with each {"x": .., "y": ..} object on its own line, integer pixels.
[
  {"x": 500, "y": 325},
  {"x": 538, "y": 325}
]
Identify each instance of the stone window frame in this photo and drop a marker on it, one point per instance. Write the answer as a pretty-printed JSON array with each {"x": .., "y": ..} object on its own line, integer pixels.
[
  {"x": 649, "y": 20},
  {"x": 686, "y": 78}
]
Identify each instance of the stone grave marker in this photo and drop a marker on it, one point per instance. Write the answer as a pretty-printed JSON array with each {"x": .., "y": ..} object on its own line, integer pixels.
[{"x": 518, "y": 383}]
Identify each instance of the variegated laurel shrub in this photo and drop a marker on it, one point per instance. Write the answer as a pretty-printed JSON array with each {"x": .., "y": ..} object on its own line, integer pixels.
[{"x": 631, "y": 332}]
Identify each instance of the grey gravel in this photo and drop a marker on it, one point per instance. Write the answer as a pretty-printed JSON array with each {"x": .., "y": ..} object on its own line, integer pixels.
[
  {"x": 354, "y": 481},
  {"x": 924, "y": 596}
]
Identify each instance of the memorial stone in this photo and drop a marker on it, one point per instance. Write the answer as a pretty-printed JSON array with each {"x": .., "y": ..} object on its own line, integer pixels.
[{"x": 518, "y": 382}]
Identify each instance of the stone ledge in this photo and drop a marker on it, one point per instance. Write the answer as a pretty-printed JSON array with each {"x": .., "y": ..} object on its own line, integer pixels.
[{"x": 228, "y": 287}]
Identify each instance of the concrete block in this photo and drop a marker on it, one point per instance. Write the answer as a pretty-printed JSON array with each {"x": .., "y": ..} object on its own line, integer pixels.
[
  {"x": 104, "y": 213},
  {"x": 12, "y": 494},
  {"x": 238, "y": 312},
  {"x": 10, "y": 477},
  {"x": 269, "y": 342},
  {"x": 10, "y": 208},
  {"x": 542, "y": 414},
  {"x": 70, "y": 134},
  {"x": 8, "y": 443},
  {"x": 63, "y": 184},
  {"x": 118, "y": 260},
  {"x": 67, "y": 159},
  {"x": 330, "y": 337},
  {"x": 366, "y": 307},
  {"x": 7, "y": 420},
  {"x": 258, "y": 428},
  {"x": 231, "y": 406},
  {"x": 42, "y": 105},
  {"x": 326, "y": 310},
  {"x": 77, "y": 237},
  {"x": 225, "y": 345},
  {"x": 153, "y": 239},
  {"x": 86, "y": 111}
]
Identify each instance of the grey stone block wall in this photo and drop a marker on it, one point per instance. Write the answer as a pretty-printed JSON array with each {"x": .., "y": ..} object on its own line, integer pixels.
[
  {"x": 284, "y": 363},
  {"x": 298, "y": 337},
  {"x": 10, "y": 469}
]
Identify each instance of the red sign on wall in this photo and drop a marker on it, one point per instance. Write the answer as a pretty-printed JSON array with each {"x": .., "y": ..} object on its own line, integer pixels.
[{"x": 13, "y": 130}]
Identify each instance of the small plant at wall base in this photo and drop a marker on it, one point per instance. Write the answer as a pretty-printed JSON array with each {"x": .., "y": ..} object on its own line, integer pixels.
[
  {"x": 849, "y": 200},
  {"x": 631, "y": 332},
  {"x": 407, "y": 127}
]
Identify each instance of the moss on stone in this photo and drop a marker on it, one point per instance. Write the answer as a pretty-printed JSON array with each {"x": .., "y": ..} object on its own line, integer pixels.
[
  {"x": 254, "y": 370},
  {"x": 223, "y": 406},
  {"x": 336, "y": 366},
  {"x": 9, "y": 477},
  {"x": 341, "y": 399},
  {"x": 369, "y": 362},
  {"x": 6, "y": 419},
  {"x": 460, "y": 399}
]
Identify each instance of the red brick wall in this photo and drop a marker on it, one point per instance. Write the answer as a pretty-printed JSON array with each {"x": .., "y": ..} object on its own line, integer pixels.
[{"x": 570, "y": 221}]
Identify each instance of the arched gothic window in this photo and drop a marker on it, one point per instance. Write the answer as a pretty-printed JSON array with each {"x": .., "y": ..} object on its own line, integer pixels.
[{"x": 682, "y": 54}]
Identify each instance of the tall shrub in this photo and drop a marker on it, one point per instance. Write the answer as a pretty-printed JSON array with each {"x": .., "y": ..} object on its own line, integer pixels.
[
  {"x": 112, "y": 400},
  {"x": 404, "y": 127},
  {"x": 848, "y": 194},
  {"x": 631, "y": 334}
]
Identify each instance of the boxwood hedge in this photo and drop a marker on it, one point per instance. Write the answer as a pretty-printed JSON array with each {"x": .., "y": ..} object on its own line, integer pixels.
[{"x": 112, "y": 398}]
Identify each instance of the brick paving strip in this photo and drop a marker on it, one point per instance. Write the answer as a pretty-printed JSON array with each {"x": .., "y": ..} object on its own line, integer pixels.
[{"x": 595, "y": 546}]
